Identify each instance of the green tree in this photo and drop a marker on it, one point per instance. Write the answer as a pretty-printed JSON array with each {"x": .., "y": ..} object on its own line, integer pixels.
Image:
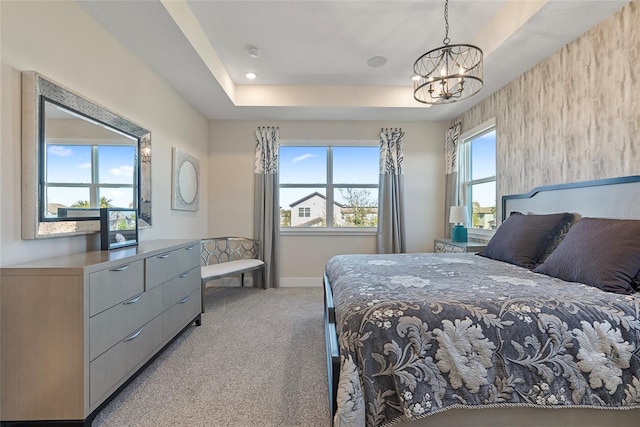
[
  {"x": 105, "y": 203},
  {"x": 81, "y": 204},
  {"x": 285, "y": 217},
  {"x": 359, "y": 207}
]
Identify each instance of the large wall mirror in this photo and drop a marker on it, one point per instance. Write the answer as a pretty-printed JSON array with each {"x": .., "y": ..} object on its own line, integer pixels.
[{"x": 78, "y": 157}]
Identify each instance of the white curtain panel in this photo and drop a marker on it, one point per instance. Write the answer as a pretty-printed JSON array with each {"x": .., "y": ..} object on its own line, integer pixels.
[
  {"x": 391, "y": 230},
  {"x": 266, "y": 202}
]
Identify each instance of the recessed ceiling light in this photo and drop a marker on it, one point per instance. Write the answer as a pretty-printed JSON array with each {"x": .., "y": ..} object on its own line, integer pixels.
[
  {"x": 250, "y": 75},
  {"x": 376, "y": 61}
]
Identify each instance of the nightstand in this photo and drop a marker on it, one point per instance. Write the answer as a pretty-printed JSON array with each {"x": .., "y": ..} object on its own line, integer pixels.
[{"x": 447, "y": 246}]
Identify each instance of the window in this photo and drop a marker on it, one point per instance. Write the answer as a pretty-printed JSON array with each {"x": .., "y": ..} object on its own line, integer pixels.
[
  {"x": 478, "y": 177},
  {"x": 304, "y": 212},
  {"x": 82, "y": 176},
  {"x": 329, "y": 187}
]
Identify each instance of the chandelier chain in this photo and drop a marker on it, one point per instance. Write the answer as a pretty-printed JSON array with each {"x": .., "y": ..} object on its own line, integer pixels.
[{"x": 446, "y": 23}]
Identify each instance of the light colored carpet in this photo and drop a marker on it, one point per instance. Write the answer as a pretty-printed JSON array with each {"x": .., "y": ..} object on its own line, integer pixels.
[{"x": 258, "y": 360}]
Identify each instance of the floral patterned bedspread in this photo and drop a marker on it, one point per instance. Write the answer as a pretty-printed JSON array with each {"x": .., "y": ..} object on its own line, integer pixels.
[{"x": 422, "y": 333}]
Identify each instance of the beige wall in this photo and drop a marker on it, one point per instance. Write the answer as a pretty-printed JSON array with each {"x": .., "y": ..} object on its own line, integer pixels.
[
  {"x": 573, "y": 117},
  {"x": 231, "y": 159},
  {"x": 61, "y": 41}
]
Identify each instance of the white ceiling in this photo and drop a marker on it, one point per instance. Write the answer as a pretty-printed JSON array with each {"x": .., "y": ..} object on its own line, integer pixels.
[{"x": 313, "y": 54}]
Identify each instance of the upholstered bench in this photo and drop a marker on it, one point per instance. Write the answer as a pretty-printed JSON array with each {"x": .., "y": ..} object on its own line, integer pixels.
[{"x": 228, "y": 256}]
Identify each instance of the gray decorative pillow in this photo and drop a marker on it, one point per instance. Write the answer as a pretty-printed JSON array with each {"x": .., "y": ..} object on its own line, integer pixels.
[
  {"x": 523, "y": 239},
  {"x": 555, "y": 241},
  {"x": 604, "y": 253}
]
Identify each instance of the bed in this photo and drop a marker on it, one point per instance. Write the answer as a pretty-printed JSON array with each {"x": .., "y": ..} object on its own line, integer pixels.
[{"x": 542, "y": 329}]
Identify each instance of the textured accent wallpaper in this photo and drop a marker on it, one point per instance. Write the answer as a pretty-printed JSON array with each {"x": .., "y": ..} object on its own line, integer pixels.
[{"x": 573, "y": 117}]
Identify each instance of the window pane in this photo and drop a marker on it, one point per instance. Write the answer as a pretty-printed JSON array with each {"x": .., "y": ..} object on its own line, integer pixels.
[
  {"x": 65, "y": 197},
  {"x": 116, "y": 164},
  {"x": 302, "y": 207},
  {"x": 483, "y": 206},
  {"x": 483, "y": 156},
  {"x": 356, "y": 165},
  {"x": 303, "y": 165},
  {"x": 120, "y": 197},
  {"x": 68, "y": 164},
  {"x": 356, "y": 207}
]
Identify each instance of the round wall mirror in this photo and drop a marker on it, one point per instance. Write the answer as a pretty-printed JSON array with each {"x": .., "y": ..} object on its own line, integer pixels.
[{"x": 188, "y": 182}]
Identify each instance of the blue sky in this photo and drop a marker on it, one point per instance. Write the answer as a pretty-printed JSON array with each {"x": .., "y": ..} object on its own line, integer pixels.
[
  {"x": 483, "y": 158},
  {"x": 307, "y": 165},
  {"x": 72, "y": 164}
]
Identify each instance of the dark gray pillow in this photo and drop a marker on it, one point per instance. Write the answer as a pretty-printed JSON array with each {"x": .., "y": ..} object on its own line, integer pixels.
[
  {"x": 523, "y": 239},
  {"x": 604, "y": 253},
  {"x": 555, "y": 241}
]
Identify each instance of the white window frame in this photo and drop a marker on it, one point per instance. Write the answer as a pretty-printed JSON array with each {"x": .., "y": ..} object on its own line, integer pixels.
[
  {"x": 464, "y": 166},
  {"x": 95, "y": 185},
  {"x": 329, "y": 187}
]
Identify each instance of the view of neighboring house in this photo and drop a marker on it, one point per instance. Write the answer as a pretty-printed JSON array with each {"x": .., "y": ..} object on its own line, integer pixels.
[
  {"x": 484, "y": 217},
  {"x": 310, "y": 211}
]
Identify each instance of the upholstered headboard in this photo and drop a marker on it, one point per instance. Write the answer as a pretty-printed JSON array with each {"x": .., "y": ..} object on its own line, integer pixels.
[{"x": 604, "y": 198}]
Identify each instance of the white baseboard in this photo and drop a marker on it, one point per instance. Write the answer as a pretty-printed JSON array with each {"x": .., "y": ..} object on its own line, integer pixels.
[{"x": 300, "y": 282}]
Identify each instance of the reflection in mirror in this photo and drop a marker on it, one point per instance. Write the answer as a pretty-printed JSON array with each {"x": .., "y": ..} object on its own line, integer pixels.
[
  {"x": 78, "y": 157},
  {"x": 87, "y": 166}
]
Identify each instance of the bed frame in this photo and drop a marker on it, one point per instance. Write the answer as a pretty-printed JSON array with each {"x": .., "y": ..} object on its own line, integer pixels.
[{"x": 617, "y": 198}]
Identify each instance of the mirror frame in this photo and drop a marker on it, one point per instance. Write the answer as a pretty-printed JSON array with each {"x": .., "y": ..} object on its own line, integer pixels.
[{"x": 35, "y": 87}]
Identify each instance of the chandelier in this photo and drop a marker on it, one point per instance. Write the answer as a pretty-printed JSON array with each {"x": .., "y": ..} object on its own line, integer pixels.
[{"x": 449, "y": 73}]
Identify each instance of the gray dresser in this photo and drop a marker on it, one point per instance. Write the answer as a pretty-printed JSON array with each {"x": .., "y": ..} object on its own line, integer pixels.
[{"x": 76, "y": 328}]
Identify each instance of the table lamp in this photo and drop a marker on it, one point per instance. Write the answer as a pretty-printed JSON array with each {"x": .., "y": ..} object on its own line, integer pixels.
[{"x": 460, "y": 217}]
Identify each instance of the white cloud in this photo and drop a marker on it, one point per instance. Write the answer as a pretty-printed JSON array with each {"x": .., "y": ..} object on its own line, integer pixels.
[
  {"x": 122, "y": 170},
  {"x": 57, "y": 150},
  {"x": 84, "y": 165},
  {"x": 302, "y": 157}
]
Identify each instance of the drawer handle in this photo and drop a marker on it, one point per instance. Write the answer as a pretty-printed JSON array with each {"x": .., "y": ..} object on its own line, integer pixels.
[
  {"x": 185, "y": 299},
  {"x": 133, "y": 300},
  {"x": 189, "y": 248},
  {"x": 163, "y": 256},
  {"x": 183, "y": 275},
  {"x": 133, "y": 336},
  {"x": 121, "y": 268}
]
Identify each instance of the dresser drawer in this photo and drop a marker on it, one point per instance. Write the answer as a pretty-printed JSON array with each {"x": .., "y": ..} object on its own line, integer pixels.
[
  {"x": 160, "y": 268},
  {"x": 177, "y": 316},
  {"x": 109, "y": 327},
  {"x": 179, "y": 287},
  {"x": 107, "y": 371},
  {"x": 114, "y": 285}
]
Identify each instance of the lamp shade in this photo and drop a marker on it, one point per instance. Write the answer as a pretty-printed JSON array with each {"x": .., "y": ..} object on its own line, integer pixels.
[{"x": 459, "y": 215}]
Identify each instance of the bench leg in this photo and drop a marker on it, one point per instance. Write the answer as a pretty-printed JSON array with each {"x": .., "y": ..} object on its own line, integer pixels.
[
  {"x": 202, "y": 288},
  {"x": 242, "y": 280}
]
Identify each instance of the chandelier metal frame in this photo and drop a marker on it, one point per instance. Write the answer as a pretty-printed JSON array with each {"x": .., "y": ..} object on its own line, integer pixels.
[{"x": 450, "y": 73}]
